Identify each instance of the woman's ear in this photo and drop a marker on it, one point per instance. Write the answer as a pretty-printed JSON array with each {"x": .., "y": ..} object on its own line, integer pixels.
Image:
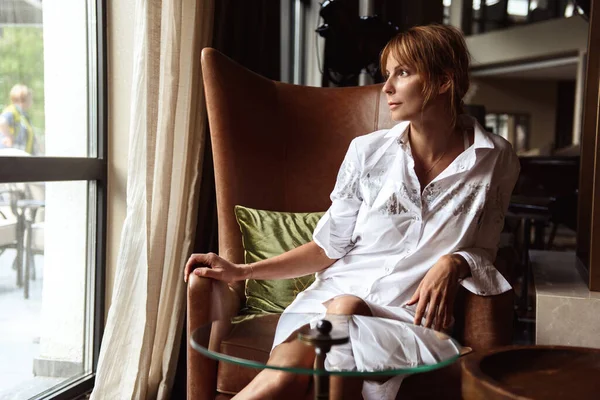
[{"x": 446, "y": 84}]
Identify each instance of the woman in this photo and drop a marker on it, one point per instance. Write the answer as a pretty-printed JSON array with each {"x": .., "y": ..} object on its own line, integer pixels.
[{"x": 416, "y": 211}]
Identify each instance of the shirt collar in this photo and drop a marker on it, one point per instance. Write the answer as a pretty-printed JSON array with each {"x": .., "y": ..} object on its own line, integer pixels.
[
  {"x": 482, "y": 139},
  {"x": 399, "y": 131}
]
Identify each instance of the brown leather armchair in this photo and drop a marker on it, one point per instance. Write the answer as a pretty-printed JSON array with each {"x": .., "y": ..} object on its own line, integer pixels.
[{"x": 278, "y": 147}]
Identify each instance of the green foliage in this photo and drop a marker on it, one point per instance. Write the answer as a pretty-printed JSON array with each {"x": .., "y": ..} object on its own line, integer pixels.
[{"x": 22, "y": 61}]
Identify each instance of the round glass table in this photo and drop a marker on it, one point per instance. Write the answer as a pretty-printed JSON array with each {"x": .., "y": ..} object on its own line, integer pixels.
[{"x": 345, "y": 345}]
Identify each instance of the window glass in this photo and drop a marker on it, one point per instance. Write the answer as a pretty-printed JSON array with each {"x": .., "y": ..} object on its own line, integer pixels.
[
  {"x": 43, "y": 257},
  {"x": 44, "y": 78}
]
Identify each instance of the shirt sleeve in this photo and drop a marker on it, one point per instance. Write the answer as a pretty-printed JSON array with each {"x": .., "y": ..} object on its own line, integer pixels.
[
  {"x": 8, "y": 118},
  {"x": 334, "y": 230},
  {"x": 485, "y": 279}
]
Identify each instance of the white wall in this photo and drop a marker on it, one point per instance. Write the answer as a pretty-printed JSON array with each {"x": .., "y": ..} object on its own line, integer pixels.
[{"x": 120, "y": 59}]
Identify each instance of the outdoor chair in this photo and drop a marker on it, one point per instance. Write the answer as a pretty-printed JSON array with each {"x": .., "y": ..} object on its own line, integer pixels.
[
  {"x": 22, "y": 227},
  {"x": 9, "y": 232}
]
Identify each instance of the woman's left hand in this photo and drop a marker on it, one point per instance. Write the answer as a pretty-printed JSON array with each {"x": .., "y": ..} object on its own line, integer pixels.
[{"x": 437, "y": 291}]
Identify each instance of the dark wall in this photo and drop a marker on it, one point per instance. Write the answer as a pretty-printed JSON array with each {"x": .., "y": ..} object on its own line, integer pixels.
[{"x": 565, "y": 105}]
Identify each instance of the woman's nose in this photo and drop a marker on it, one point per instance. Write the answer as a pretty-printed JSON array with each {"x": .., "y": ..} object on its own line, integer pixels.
[{"x": 387, "y": 88}]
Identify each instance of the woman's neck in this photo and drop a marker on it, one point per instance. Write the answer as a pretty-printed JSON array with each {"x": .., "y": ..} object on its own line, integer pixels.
[{"x": 430, "y": 138}]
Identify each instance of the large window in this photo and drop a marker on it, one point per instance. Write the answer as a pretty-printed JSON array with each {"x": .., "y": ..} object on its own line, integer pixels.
[{"x": 52, "y": 196}]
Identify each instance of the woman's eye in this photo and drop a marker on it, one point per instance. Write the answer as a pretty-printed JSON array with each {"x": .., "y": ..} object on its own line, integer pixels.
[{"x": 403, "y": 72}]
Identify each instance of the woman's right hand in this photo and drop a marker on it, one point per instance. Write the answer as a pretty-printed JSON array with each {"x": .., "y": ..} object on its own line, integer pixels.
[{"x": 212, "y": 266}]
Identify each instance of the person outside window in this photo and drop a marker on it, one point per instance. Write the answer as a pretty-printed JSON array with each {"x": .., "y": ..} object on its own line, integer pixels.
[{"x": 16, "y": 130}]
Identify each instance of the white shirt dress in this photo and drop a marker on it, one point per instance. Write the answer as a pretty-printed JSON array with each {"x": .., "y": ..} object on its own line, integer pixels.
[{"x": 386, "y": 233}]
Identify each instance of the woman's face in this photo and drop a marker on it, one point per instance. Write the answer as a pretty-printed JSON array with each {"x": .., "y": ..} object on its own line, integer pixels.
[
  {"x": 404, "y": 90},
  {"x": 28, "y": 102}
]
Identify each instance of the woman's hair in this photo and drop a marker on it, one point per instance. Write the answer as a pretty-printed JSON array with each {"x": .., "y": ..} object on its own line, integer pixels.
[
  {"x": 20, "y": 94},
  {"x": 440, "y": 55}
]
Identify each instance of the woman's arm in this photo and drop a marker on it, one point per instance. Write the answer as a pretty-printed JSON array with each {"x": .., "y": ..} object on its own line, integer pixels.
[
  {"x": 333, "y": 235},
  {"x": 304, "y": 260},
  {"x": 473, "y": 267},
  {"x": 485, "y": 279}
]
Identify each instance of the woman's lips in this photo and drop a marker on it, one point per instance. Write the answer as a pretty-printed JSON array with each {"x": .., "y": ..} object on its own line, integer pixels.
[{"x": 394, "y": 105}]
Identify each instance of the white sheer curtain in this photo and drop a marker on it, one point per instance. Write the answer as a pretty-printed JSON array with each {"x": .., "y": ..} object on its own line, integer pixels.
[{"x": 142, "y": 337}]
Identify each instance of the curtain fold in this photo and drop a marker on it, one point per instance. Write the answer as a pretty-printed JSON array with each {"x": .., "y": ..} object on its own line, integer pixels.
[{"x": 138, "y": 356}]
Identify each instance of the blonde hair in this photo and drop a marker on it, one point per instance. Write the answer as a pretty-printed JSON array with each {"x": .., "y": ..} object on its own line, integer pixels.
[
  {"x": 20, "y": 94},
  {"x": 440, "y": 55}
]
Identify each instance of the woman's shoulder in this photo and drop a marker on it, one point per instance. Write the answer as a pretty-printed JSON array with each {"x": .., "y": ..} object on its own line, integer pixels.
[{"x": 506, "y": 159}]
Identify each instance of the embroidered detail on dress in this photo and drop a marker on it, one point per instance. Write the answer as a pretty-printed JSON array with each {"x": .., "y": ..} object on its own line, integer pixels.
[
  {"x": 372, "y": 186},
  {"x": 431, "y": 193},
  {"x": 392, "y": 206},
  {"x": 347, "y": 184},
  {"x": 474, "y": 200},
  {"x": 497, "y": 206},
  {"x": 470, "y": 203},
  {"x": 411, "y": 195}
]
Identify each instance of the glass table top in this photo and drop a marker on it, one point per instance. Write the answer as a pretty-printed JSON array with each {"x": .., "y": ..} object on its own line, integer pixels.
[{"x": 354, "y": 345}]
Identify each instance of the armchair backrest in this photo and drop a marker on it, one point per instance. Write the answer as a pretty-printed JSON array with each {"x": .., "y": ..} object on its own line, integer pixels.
[{"x": 278, "y": 146}]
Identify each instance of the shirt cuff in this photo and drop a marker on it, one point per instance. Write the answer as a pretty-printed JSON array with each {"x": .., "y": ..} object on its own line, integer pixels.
[
  {"x": 325, "y": 236},
  {"x": 485, "y": 279}
]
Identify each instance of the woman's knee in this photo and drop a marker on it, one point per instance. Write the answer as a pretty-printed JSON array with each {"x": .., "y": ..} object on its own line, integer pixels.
[
  {"x": 348, "y": 304},
  {"x": 292, "y": 353}
]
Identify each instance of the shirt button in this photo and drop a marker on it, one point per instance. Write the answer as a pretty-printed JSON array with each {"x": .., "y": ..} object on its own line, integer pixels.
[
  {"x": 388, "y": 269},
  {"x": 481, "y": 292}
]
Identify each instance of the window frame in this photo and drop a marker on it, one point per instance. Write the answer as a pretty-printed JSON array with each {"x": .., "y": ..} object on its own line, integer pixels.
[{"x": 93, "y": 170}]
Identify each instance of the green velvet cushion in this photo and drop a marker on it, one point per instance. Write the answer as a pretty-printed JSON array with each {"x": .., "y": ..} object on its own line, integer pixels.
[{"x": 266, "y": 234}]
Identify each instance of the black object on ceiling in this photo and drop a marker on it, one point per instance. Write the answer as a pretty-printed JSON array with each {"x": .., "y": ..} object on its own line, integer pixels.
[
  {"x": 352, "y": 43},
  {"x": 585, "y": 7}
]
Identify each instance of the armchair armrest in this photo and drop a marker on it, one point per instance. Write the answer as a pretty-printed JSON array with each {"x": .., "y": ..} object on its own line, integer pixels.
[
  {"x": 486, "y": 321},
  {"x": 207, "y": 300}
]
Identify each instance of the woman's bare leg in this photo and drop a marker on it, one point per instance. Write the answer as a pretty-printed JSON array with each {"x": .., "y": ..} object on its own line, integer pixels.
[
  {"x": 273, "y": 384},
  {"x": 347, "y": 388}
]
